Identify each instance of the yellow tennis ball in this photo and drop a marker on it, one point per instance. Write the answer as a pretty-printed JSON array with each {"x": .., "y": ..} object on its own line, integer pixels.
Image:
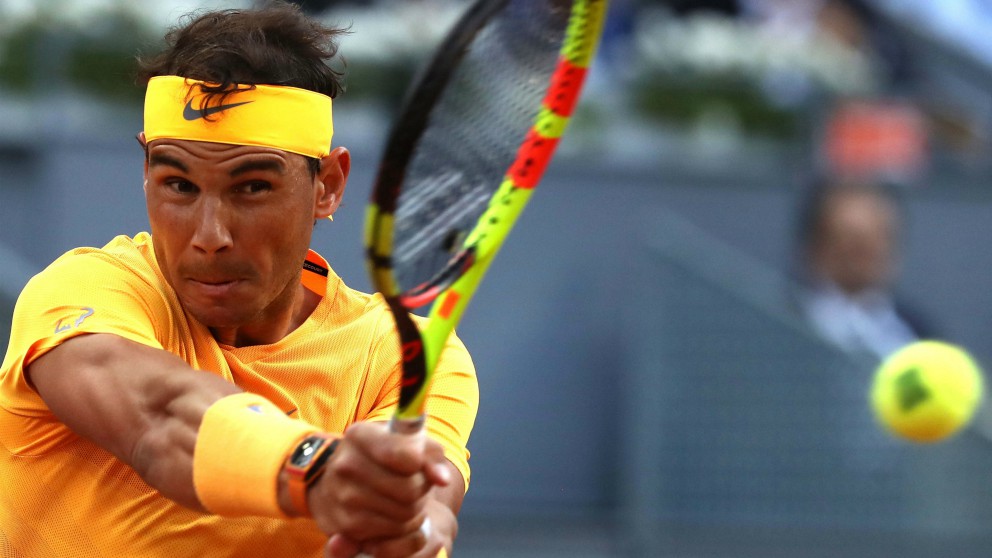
[{"x": 926, "y": 391}]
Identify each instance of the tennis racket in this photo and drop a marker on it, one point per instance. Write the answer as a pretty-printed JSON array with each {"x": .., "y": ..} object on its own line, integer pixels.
[{"x": 472, "y": 139}]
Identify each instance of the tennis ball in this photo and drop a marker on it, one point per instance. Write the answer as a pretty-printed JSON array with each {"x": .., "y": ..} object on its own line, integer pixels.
[{"x": 926, "y": 391}]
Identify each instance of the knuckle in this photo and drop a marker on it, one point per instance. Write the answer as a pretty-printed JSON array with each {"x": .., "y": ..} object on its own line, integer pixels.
[
  {"x": 397, "y": 454},
  {"x": 346, "y": 466},
  {"x": 433, "y": 447},
  {"x": 357, "y": 528},
  {"x": 349, "y": 498},
  {"x": 412, "y": 496},
  {"x": 406, "y": 517}
]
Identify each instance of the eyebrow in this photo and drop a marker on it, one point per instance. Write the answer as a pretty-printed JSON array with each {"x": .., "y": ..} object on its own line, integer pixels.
[
  {"x": 262, "y": 165},
  {"x": 165, "y": 160},
  {"x": 267, "y": 165}
]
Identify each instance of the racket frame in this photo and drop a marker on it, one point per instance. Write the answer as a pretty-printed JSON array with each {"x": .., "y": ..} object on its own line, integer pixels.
[{"x": 454, "y": 286}]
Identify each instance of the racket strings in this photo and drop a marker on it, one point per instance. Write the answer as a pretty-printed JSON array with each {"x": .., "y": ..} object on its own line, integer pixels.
[{"x": 473, "y": 135}]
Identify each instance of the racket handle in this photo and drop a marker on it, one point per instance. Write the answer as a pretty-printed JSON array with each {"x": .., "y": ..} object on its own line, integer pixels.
[{"x": 406, "y": 425}]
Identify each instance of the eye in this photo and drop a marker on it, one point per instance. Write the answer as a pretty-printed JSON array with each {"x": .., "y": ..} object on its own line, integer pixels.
[
  {"x": 181, "y": 186},
  {"x": 254, "y": 187}
]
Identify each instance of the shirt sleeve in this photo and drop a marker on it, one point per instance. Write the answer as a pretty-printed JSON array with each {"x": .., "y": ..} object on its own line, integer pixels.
[
  {"x": 83, "y": 292},
  {"x": 452, "y": 402}
]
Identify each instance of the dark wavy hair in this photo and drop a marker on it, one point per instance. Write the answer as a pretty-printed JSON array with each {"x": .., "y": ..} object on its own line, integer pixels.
[{"x": 276, "y": 44}]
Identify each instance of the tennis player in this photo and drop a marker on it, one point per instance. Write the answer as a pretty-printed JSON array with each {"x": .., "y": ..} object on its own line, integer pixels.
[{"x": 213, "y": 388}]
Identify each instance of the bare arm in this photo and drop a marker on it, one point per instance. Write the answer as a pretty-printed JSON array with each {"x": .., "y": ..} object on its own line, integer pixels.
[
  {"x": 142, "y": 404},
  {"x": 145, "y": 406}
]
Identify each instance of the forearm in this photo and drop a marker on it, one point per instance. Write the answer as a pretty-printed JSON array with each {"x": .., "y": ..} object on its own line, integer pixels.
[
  {"x": 163, "y": 454},
  {"x": 141, "y": 404}
]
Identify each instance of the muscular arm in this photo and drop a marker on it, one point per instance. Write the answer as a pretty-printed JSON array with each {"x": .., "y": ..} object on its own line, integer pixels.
[
  {"x": 142, "y": 404},
  {"x": 145, "y": 405}
]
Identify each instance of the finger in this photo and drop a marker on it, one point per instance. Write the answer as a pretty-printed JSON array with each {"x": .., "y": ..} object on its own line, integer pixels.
[
  {"x": 353, "y": 467},
  {"x": 418, "y": 543},
  {"x": 361, "y": 522},
  {"x": 438, "y": 474},
  {"x": 355, "y": 498},
  {"x": 362, "y": 505},
  {"x": 437, "y": 467},
  {"x": 339, "y": 546},
  {"x": 358, "y": 480},
  {"x": 404, "y": 454}
]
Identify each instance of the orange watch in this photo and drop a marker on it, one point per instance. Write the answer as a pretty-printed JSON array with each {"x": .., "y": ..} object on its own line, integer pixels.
[{"x": 305, "y": 465}]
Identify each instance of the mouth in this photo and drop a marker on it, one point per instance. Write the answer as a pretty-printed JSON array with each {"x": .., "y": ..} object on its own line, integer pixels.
[{"x": 214, "y": 288}]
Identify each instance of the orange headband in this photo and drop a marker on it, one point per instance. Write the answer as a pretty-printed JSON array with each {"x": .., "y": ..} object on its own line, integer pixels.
[{"x": 286, "y": 118}]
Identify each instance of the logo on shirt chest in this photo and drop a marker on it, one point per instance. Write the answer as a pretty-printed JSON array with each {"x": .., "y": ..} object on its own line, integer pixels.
[{"x": 74, "y": 320}]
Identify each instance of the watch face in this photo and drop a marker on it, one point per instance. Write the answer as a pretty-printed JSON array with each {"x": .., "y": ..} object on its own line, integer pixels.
[{"x": 305, "y": 451}]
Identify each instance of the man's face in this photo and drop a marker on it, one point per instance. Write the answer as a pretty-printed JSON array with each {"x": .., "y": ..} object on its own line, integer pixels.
[
  {"x": 231, "y": 226},
  {"x": 858, "y": 241}
]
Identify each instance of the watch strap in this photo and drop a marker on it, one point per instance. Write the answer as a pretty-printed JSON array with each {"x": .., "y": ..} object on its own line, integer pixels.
[{"x": 305, "y": 464}]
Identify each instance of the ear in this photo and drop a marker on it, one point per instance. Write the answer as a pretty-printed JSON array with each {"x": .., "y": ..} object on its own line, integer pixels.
[
  {"x": 144, "y": 147},
  {"x": 331, "y": 180}
]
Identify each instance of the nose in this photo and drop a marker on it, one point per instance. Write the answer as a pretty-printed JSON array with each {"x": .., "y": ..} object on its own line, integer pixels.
[{"x": 212, "y": 231}]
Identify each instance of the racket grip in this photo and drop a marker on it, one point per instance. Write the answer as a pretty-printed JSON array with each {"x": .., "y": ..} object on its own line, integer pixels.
[{"x": 406, "y": 425}]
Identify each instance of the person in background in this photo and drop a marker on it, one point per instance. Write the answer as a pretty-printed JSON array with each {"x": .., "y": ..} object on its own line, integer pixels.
[{"x": 850, "y": 236}]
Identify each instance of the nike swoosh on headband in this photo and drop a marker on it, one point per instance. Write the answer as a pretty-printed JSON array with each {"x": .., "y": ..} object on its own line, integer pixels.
[{"x": 190, "y": 113}]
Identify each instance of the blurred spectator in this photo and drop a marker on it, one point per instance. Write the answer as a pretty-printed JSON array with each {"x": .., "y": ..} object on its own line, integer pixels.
[
  {"x": 849, "y": 250},
  {"x": 321, "y": 6},
  {"x": 856, "y": 24},
  {"x": 683, "y": 7}
]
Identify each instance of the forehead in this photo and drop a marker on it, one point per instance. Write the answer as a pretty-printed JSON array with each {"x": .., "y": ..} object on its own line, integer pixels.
[
  {"x": 864, "y": 202},
  {"x": 191, "y": 152}
]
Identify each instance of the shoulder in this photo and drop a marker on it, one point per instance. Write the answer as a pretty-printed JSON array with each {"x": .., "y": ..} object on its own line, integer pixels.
[
  {"x": 123, "y": 255},
  {"x": 361, "y": 317},
  {"x": 371, "y": 312},
  {"x": 348, "y": 301},
  {"x": 114, "y": 289},
  {"x": 122, "y": 276}
]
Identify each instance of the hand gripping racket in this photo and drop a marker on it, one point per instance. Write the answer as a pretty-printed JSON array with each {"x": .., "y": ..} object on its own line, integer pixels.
[{"x": 474, "y": 135}]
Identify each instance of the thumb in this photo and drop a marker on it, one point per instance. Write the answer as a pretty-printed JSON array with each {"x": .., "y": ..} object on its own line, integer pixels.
[
  {"x": 339, "y": 546},
  {"x": 438, "y": 474}
]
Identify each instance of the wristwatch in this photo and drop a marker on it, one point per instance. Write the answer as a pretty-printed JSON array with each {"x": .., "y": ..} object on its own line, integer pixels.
[{"x": 305, "y": 465}]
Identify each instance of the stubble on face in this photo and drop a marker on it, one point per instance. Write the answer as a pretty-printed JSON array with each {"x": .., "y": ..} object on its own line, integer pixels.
[{"x": 231, "y": 227}]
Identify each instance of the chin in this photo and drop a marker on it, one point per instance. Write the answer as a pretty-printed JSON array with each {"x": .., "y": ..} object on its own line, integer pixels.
[{"x": 220, "y": 317}]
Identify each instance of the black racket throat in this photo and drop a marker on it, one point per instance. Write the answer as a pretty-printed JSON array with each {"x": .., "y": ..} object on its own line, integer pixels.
[
  {"x": 424, "y": 294},
  {"x": 414, "y": 360}
]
